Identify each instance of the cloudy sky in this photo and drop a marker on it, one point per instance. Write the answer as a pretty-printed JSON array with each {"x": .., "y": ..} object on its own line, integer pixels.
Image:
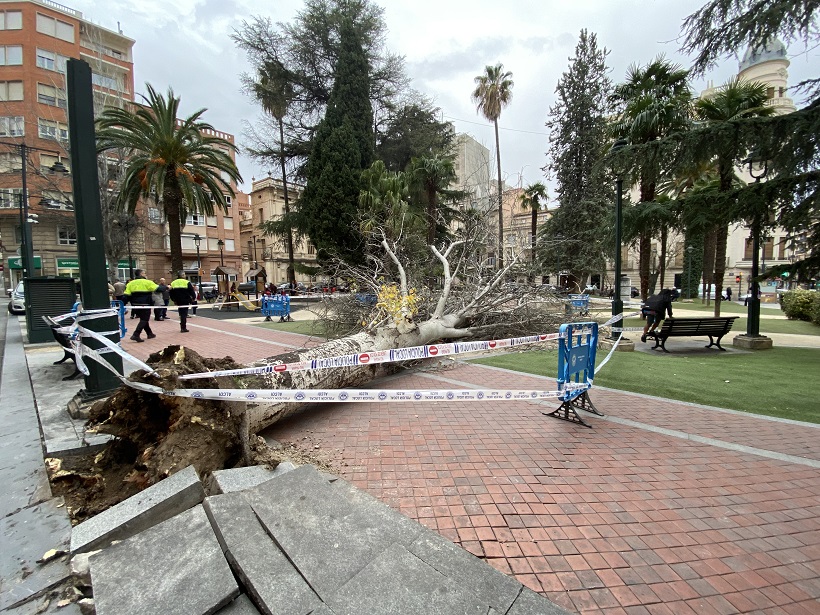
[{"x": 446, "y": 44}]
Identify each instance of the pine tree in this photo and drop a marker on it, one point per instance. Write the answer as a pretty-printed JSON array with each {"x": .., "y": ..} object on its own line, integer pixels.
[
  {"x": 328, "y": 209},
  {"x": 578, "y": 130}
]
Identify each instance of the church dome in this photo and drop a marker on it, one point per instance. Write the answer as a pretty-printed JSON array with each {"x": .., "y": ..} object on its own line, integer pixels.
[{"x": 772, "y": 50}]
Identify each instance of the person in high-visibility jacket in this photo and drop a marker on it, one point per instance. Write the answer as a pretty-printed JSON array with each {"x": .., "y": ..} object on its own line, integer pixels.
[
  {"x": 139, "y": 292},
  {"x": 183, "y": 295}
]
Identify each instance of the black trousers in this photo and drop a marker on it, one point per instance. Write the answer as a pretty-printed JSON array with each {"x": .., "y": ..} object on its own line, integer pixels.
[
  {"x": 183, "y": 317},
  {"x": 144, "y": 314}
]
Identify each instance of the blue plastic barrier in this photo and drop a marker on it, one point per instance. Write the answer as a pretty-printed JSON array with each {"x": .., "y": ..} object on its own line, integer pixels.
[
  {"x": 576, "y": 364},
  {"x": 276, "y": 305},
  {"x": 579, "y": 304}
]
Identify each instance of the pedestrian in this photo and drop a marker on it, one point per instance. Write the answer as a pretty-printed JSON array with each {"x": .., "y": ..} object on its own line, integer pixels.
[
  {"x": 119, "y": 290},
  {"x": 139, "y": 293},
  {"x": 195, "y": 301},
  {"x": 183, "y": 294},
  {"x": 164, "y": 299},
  {"x": 654, "y": 310},
  {"x": 728, "y": 293},
  {"x": 110, "y": 291}
]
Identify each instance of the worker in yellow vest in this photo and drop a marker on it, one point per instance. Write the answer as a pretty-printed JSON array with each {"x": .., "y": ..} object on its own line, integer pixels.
[
  {"x": 139, "y": 292},
  {"x": 183, "y": 295}
]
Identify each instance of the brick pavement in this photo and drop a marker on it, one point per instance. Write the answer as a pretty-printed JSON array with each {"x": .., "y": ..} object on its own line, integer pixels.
[{"x": 615, "y": 519}]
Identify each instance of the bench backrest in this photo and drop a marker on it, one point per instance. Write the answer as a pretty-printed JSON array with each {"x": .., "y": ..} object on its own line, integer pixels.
[{"x": 694, "y": 325}]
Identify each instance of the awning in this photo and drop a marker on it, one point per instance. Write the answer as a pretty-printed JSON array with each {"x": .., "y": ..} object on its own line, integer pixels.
[
  {"x": 222, "y": 270},
  {"x": 253, "y": 273}
]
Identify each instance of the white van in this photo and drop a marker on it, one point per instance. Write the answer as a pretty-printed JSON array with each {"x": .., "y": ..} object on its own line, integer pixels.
[{"x": 701, "y": 291}]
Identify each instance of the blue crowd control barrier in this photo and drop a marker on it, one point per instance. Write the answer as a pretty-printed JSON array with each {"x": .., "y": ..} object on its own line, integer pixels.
[
  {"x": 576, "y": 365},
  {"x": 276, "y": 305},
  {"x": 579, "y": 304}
]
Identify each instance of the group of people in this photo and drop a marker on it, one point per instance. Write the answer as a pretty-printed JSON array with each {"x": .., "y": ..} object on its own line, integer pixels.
[{"x": 145, "y": 295}]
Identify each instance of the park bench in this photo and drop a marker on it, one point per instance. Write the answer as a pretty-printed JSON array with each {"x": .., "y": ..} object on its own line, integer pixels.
[
  {"x": 714, "y": 327},
  {"x": 62, "y": 337}
]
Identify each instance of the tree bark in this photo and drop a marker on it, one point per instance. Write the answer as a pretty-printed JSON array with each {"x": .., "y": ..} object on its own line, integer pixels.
[
  {"x": 709, "y": 245},
  {"x": 172, "y": 200},
  {"x": 291, "y": 265},
  {"x": 500, "y": 200},
  {"x": 720, "y": 264}
]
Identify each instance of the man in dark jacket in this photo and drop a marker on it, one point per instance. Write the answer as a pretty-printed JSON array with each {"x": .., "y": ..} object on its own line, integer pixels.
[
  {"x": 183, "y": 295},
  {"x": 139, "y": 292},
  {"x": 654, "y": 309},
  {"x": 163, "y": 291}
]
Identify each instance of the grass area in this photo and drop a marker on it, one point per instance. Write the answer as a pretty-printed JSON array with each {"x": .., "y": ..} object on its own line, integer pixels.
[
  {"x": 773, "y": 382},
  {"x": 730, "y": 308},
  {"x": 767, "y": 325},
  {"x": 305, "y": 327}
]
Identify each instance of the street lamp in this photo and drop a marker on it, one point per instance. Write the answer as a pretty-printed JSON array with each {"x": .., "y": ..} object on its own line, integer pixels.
[
  {"x": 558, "y": 238},
  {"x": 758, "y": 170},
  {"x": 197, "y": 240},
  {"x": 689, "y": 250},
  {"x": 617, "y": 302},
  {"x": 221, "y": 245}
]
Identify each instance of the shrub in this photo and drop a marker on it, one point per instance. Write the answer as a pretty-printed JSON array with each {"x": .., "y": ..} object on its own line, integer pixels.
[
  {"x": 797, "y": 304},
  {"x": 815, "y": 308}
]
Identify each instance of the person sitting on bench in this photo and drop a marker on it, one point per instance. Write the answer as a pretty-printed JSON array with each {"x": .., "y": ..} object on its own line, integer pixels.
[{"x": 654, "y": 310}]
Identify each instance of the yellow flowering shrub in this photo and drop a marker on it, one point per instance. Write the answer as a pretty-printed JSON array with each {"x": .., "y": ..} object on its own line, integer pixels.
[{"x": 392, "y": 303}]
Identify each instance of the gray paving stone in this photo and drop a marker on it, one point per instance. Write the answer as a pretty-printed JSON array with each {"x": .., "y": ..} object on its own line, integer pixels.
[
  {"x": 45, "y": 605},
  {"x": 476, "y": 576},
  {"x": 530, "y": 603},
  {"x": 398, "y": 582},
  {"x": 323, "y": 610},
  {"x": 174, "y": 568},
  {"x": 327, "y": 538},
  {"x": 240, "y": 479},
  {"x": 25, "y": 484},
  {"x": 240, "y": 606},
  {"x": 159, "y": 502},
  {"x": 20, "y": 447},
  {"x": 26, "y": 536},
  {"x": 275, "y": 585}
]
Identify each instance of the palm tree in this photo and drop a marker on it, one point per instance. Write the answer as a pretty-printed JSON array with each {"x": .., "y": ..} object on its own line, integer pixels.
[
  {"x": 531, "y": 199},
  {"x": 736, "y": 100},
  {"x": 493, "y": 92},
  {"x": 653, "y": 102},
  {"x": 384, "y": 202},
  {"x": 179, "y": 160},
  {"x": 275, "y": 91},
  {"x": 431, "y": 176}
]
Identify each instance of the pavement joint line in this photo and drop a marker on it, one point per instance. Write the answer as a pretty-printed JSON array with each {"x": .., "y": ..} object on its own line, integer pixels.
[
  {"x": 244, "y": 337},
  {"x": 740, "y": 448}
]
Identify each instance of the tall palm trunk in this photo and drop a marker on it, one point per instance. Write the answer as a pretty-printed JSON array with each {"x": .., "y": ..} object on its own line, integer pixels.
[
  {"x": 645, "y": 240},
  {"x": 172, "y": 198},
  {"x": 726, "y": 171},
  {"x": 500, "y": 199},
  {"x": 709, "y": 246},
  {"x": 289, "y": 238},
  {"x": 432, "y": 215},
  {"x": 662, "y": 264}
]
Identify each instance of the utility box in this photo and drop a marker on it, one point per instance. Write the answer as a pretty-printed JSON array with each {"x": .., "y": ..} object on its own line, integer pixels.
[
  {"x": 626, "y": 288},
  {"x": 47, "y": 296}
]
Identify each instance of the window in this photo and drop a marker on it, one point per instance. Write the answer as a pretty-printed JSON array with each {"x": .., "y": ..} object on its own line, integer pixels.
[
  {"x": 47, "y": 161},
  {"x": 227, "y": 224},
  {"x": 49, "y": 95},
  {"x": 48, "y": 129},
  {"x": 311, "y": 249},
  {"x": 11, "y": 20},
  {"x": 211, "y": 221},
  {"x": 154, "y": 215},
  {"x": 195, "y": 220},
  {"x": 769, "y": 92},
  {"x": 105, "y": 81},
  {"x": 10, "y": 197},
  {"x": 11, "y": 55},
  {"x": 66, "y": 236},
  {"x": 12, "y": 126},
  {"x": 229, "y": 245},
  {"x": 56, "y": 200},
  {"x": 54, "y": 27},
  {"x": 51, "y": 61},
  {"x": 11, "y": 90},
  {"x": 10, "y": 162}
]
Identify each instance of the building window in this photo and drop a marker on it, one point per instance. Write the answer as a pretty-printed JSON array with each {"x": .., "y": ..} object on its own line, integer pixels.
[
  {"x": 229, "y": 245},
  {"x": 54, "y": 27},
  {"x": 49, "y": 95},
  {"x": 12, "y": 126},
  {"x": 227, "y": 224},
  {"x": 66, "y": 236},
  {"x": 195, "y": 220},
  {"x": 10, "y": 197},
  {"x": 105, "y": 81},
  {"x": 311, "y": 249},
  {"x": 48, "y": 129},
  {"x": 11, "y": 55},
  {"x": 11, "y": 90},
  {"x": 51, "y": 61},
  {"x": 56, "y": 200},
  {"x": 154, "y": 215},
  {"x": 10, "y": 162},
  {"x": 47, "y": 161},
  {"x": 11, "y": 20},
  {"x": 212, "y": 221}
]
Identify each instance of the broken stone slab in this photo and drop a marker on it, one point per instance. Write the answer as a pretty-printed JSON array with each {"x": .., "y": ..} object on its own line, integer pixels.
[
  {"x": 173, "y": 495},
  {"x": 266, "y": 573},
  {"x": 26, "y": 536},
  {"x": 173, "y": 568},
  {"x": 396, "y": 581},
  {"x": 240, "y": 479},
  {"x": 240, "y": 606},
  {"x": 530, "y": 603}
]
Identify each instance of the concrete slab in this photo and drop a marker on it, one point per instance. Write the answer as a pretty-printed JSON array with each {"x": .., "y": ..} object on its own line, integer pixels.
[
  {"x": 26, "y": 536},
  {"x": 493, "y": 588},
  {"x": 398, "y": 582},
  {"x": 20, "y": 447},
  {"x": 174, "y": 568},
  {"x": 266, "y": 573},
  {"x": 240, "y": 606},
  {"x": 530, "y": 603},
  {"x": 159, "y": 502},
  {"x": 25, "y": 484},
  {"x": 240, "y": 479}
]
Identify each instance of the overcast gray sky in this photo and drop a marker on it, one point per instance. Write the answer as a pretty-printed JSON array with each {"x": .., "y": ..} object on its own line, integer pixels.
[{"x": 446, "y": 43}]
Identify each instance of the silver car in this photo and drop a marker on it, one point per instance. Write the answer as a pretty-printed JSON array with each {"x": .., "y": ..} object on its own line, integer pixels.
[{"x": 17, "y": 305}]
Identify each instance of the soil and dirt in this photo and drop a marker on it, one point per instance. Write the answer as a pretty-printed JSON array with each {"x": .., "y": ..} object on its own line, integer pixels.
[{"x": 155, "y": 436}]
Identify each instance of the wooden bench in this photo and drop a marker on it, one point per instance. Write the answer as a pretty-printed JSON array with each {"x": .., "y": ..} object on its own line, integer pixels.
[
  {"x": 715, "y": 327},
  {"x": 61, "y": 336}
]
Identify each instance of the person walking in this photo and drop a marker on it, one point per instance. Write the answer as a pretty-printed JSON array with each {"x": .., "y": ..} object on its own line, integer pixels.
[
  {"x": 163, "y": 300},
  {"x": 139, "y": 293},
  {"x": 182, "y": 293},
  {"x": 119, "y": 290}
]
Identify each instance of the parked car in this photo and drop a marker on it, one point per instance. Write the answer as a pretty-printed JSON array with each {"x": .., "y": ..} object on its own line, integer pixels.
[
  {"x": 17, "y": 305},
  {"x": 208, "y": 290}
]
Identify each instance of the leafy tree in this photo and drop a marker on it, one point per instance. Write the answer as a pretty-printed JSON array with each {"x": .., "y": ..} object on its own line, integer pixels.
[
  {"x": 179, "y": 160},
  {"x": 653, "y": 102},
  {"x": 578, "y": 129},
  {"x": 328, "y": 209},
  {"x": 431, "y": 176},
  {"x": 413, "y": 131},
  {"x": 493, "y": 92}
]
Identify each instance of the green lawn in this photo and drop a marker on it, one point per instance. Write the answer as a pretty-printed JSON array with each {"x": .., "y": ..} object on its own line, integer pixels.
[
  {"x": 776, "y": 382},
  {"x": 767, "y": 325},
  {"x": 730, "y": 308}
]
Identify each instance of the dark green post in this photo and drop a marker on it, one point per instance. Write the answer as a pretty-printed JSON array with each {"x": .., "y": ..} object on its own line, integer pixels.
[{"x": 90, "y": 237}]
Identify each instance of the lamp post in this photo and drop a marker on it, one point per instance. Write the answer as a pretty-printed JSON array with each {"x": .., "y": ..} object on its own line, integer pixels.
[
  {"x": 558, "y": 238},
  {"x": 689, "y": 250},
  {"x": 221, "y": 245},
  {"x": 617, "y": 302},
  {"x": 197, "y": 241}
]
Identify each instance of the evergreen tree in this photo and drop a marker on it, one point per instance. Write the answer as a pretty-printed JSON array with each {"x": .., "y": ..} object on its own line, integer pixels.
[
  {"x": 413, "y": 130},
  {"x": 343, "y": 147},
  {"x": 578, "y": 130}
]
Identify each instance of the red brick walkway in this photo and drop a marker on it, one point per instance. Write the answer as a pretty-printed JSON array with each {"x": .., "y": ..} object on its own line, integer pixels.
[{"x": 614, "y": 519}]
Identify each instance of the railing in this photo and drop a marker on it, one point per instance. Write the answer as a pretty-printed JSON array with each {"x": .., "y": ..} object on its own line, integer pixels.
[{"x": 62, "y": 8}]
